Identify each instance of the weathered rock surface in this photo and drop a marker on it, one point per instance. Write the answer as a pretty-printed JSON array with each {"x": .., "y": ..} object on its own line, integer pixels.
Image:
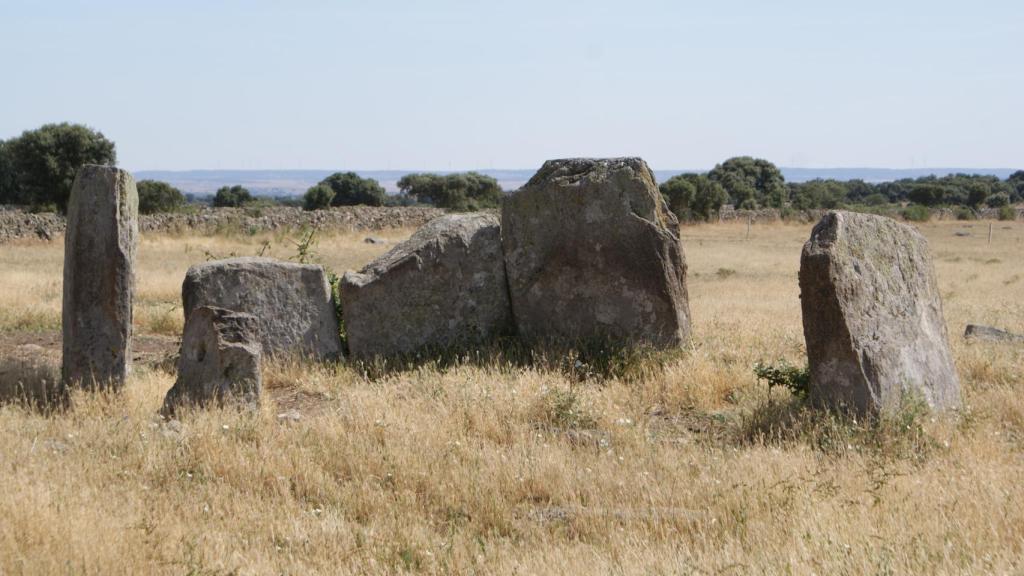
[
  {"x": 443, "y": 288},
  {"x": 592, "y": 252},
  {"x": 990, "y": 334},
  {"x": 292, "y": 302},
  {"x": 872, "y": 317},
  {"x": 99, "y": 277},
  {"x": 219, "y": 362}
]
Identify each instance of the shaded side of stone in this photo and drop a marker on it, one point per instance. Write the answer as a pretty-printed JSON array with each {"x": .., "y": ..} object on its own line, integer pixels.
[
  {"x": 219, "y": 363},
  {"x": 593, "y": 253},
  {"x": 292, "y": 302},
  {"x": 99, "y": 277},
  {"x": 443, "y": 289},
  {"x": 31, "y": 379},
  {"x": 872, "y": 316}
]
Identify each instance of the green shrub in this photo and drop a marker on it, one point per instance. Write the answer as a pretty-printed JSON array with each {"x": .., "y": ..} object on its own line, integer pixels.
[
  {"x": 318, "y": 197},
  {"x": 998, "y": 200},
  {"x": 793, "y": 378},
  {"x": 916, "y": 213},
  {"x": 876, "y": 199},
  {"x": 39, "y": 167},
  {"x": 232, "y": 197},
  {"x": 964, "y": 213},
  {"x": 466, "y": 192},
  {"x": 156, "y": 197},
  {"x": 345, "y": 189},
  {"x": 1007, "y": 213},
  {"x": 693, "y": 196}
]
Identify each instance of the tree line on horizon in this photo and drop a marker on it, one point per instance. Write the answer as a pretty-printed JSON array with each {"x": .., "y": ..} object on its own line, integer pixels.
[
  {"x": 38, "y": 168},
  {"x": 464, "y": 192},
  {"x": 752, "y": 183}
]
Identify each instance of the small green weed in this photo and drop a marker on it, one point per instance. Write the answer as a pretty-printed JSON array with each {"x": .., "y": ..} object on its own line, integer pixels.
[
  {"x": 724, "y": 273},
  {"x": 561, "y": 409},
  {"x": 793, "y": 378},
  {"x": 306, "y": 253}
]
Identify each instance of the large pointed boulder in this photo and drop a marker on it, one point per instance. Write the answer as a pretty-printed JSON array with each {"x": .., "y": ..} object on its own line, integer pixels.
[
  {"x": 872, "y": 317},
  {"x": 593, "y": 253}
]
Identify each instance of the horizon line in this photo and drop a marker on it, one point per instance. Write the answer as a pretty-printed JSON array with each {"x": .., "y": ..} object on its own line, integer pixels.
[{"x": 781, "y": 167}]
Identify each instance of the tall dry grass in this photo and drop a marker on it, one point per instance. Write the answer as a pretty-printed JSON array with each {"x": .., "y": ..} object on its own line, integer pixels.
[{"x": 498, "y": 468}]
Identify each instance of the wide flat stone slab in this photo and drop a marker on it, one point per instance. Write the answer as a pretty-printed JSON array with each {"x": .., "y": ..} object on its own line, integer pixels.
[{"x": 292, "y": 302}]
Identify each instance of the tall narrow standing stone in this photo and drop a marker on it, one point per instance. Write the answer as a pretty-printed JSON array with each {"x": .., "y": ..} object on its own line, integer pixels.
[
  {"x": 99, "y": 277},
  {"x": 872, "y": 317}
]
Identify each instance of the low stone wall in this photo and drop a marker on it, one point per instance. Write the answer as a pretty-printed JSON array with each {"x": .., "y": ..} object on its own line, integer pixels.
[
  {"x": 980, "y": 214},
  {"x": 775, "y": 215},
  {"x": 769, "y": 215},
  {"x": 15, "y": 223}
]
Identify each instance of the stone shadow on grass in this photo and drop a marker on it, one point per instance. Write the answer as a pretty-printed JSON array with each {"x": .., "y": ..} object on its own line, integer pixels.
[
  {"x": 31, "y": 382},
  {"x": 584, "y": 360},
  {"x": 896, "y": 434}
]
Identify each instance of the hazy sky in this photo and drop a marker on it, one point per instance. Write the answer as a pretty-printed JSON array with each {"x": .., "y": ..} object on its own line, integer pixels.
[{"x": 459, "y": 84}]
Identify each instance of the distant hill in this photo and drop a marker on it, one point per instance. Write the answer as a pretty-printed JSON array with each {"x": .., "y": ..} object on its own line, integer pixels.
[{"x": 295, "y": 182}]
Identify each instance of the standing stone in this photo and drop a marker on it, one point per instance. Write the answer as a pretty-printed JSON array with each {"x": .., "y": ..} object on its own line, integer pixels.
[
  {"x": 99, "y": 277},
  {"x": 592, "y": 252},
  {"x": 292, "y": 302},
  {"x": 219, "y": 361},
  {"x": 441, "y": 289},
  {"x": 872, "y": 317}
]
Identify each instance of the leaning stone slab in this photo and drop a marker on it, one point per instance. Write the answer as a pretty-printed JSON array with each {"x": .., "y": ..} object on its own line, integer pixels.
[
  {"x": 981, "y": 333},
  {"x": 219, "y": 362},
  {"x": 99, "y": 277},
  {"x": 443, "y": 288},
  {"x": 292, "y": 302},
  {"x": 592, "y": 252},
  {"x": 872, "y": 317}
]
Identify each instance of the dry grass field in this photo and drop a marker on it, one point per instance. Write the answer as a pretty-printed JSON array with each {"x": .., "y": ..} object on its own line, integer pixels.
[{"x": 683, "y": 465}]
